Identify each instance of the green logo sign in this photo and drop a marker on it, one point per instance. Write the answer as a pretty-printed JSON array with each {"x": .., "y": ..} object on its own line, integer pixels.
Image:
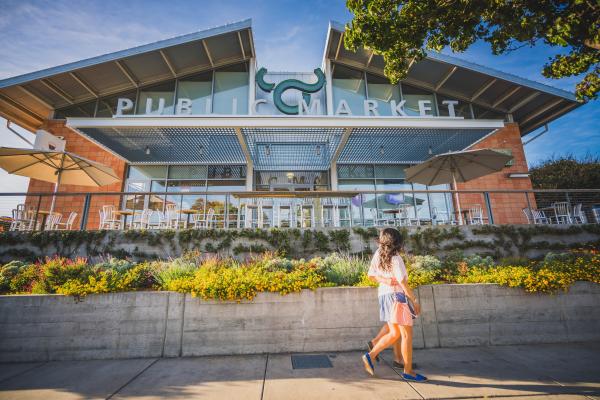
[{"x": 305, "y": 88}]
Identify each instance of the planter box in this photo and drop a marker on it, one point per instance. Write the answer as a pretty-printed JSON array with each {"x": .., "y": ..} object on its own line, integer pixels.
[{"x": 169, "y": 324}]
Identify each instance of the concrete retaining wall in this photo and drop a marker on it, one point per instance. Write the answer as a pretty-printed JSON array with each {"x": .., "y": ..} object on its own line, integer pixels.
[{"x": 169, "y": 324}]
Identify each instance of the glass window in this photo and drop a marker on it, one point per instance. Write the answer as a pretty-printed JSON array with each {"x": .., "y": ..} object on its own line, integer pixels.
[
  {"x": 231, "y": 86},
  {"x": 153, "y": 95},
  {"x": 145, "y": 172},
  {"x": 413, "y": 95},
  {"x": 484, "y": 113},
  {"x": 355, "y": 171},
  {"x": 188, "y": 172},
  {"x": 349, "y": 85},
  {"x": 226, "y": 172},
  {"x": 107, "y": 106},
  {"x": 390, "y": 171},
  {"x": 85, "y": 110},
  {"x": 383, "y": 92},
  {"x": 462, "y": 109},
  {"x": 198, "y": 89}
]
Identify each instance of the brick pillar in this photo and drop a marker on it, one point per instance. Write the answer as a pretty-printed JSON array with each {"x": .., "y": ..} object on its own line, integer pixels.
[
  {"x": 506, "y": 207},
  {"x": 79, "y": 145}
]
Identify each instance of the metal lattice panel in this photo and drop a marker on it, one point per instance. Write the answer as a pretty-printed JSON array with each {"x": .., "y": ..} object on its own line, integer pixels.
[
  {"x": 308, "y": 149},
  {"x": 171, "y": 145},
  {"x": 404, "y": 145}
]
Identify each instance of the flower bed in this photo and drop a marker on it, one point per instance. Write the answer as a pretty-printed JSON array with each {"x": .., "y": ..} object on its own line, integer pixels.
[{"x": 229, "y": 279}]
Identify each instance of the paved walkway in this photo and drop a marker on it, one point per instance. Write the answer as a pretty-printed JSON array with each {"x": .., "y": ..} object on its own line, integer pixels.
[{"x": 510, "y": 372}]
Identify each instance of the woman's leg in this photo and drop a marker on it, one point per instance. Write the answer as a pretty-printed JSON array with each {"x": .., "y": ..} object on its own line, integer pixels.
[
  {"x": 386, "y": 341},
  {"x": 406, "y": 347},
  {"x": 398, "y": 350},
  {"x": 382, "y": 332}
]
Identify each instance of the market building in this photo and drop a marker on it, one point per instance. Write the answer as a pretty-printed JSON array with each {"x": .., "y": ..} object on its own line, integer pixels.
[{"x": 199, "y": 114}]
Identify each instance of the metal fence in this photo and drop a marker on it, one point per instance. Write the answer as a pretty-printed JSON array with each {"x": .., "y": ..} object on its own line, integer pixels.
[{"x": 300, "y": 209}]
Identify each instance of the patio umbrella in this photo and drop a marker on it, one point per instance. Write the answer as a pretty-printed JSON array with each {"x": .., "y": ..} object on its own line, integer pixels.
[
  {"x": 391, "y": 201},
  {"x": 55, "y": 166},
  {"x": 460, "y": 166}
]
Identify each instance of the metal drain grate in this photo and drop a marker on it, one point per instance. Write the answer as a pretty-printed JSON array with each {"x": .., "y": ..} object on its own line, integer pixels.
[{"x": 307, "y": 361}]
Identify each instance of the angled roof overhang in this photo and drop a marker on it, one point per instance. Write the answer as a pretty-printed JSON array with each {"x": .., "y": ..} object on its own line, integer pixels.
[
  {"x": 29, "y": 99},
  {"x": 281, "y": 143},
  {"x": 532, "y": 104}
]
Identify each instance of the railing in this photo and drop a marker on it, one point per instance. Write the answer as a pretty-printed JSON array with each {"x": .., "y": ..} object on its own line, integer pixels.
[{"x": 300, "y": 209}]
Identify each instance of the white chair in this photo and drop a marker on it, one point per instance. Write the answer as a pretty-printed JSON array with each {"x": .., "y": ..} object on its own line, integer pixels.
[
  {"x": 108, "y": 218},
  {"x": 200, "y": 220},
  {"x": 578, "y": 215},
  {"x": 535, "y": 216},
  {"x": 51, "y": 220},
  {"x": 68, "y": 224},
  {"x": 23, "y": 219},
  {"x": 328, "y": 211},
  {"x": 171, "y": 216},
  {"x": 284, "y": 214},
  {"x": 143, "y": 221},
  {"x": 307, "y": 213},
  {"x": 157, "y": 220},
  {"x": 561, "y": 213},
  {"x": 475, "y": 215}
]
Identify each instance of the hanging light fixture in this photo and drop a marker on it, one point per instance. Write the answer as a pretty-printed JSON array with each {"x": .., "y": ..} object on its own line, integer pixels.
[
  {"x": 430, "y": 151},
  {"x": 147, "y": 150},
  {"x": 201, "y": 150},
  {"x": 268, "y": 150},
  {"x": 381, "y": 150},
  {"x": 318, "y": 150}
]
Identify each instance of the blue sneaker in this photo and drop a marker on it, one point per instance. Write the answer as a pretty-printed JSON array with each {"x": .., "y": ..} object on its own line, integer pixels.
[
  {"x": 415, "y": 378},
  {"x": 366, "y": 358}
]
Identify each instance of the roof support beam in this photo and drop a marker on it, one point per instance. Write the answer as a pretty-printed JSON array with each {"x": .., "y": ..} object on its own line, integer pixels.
[
  {"x": 210, "y": 59},
  {"x": 253, "y": 55},
  {"x": 83, "y": 84},
  {"x": 445, "y": 78},
  {"x": 557, "y": 113},
  {"x": 483, "y": 89},
  {"x": 128, "y": 74},
  {"x": 542, "y": 110},
  {"x": 244, "y": 145},
  {"x": 341, "y": 146},
  {"x": 36, "y": 97},
  {"x": 339, "y": 46},
  {"x": 57, "y": 90},
  {"x": 523, "y": 102},
  {"x": 20, "y": 107},
  {"x": 370, "y": 58},
  {"x": 168, "y": 62},
  {"x": 239, "y": 35},
  {"x": 505, "y": 97}
]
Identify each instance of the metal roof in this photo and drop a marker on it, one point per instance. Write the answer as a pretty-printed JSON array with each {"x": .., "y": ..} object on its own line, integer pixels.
[
  {"x": 531, "y": 103},
  {"x": 29, "y": 99}
]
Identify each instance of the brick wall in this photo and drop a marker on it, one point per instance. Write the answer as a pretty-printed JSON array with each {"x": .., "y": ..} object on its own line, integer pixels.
[
  {"x": 507, "y": 208},
  {"x": 79, "y": 145}
]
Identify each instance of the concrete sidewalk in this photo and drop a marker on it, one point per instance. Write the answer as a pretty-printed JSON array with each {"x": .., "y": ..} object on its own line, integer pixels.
[{"x": 562, "y": 371}]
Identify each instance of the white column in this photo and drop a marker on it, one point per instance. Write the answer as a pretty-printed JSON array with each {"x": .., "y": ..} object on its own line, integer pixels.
[{"x": 328, "y": 87}]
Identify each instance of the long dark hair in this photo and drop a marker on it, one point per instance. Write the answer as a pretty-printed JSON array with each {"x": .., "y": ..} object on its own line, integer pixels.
[{"x": 390, "y": 244}]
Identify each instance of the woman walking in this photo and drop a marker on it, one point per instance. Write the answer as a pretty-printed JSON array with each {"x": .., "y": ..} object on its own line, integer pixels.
[{"x": 397, "y": 303}]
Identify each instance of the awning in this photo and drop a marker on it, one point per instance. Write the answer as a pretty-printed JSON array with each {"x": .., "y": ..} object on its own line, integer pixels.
[
  {"x": 274, "y": 143},
  {"x": 532, "y": 104},
  {"x": 29, "y": 99}
]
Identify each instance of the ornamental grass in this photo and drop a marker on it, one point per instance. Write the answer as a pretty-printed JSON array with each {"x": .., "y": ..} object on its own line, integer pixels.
[{"x": 225, "y": 278}]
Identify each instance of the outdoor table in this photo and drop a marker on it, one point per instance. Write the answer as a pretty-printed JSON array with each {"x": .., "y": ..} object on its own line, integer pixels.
[
  {"x": 395, "y": 211},
  {"x": 124, "y": 214},
  {"x": 44, "y": 215},
  {"x": 187, "y": 213}
]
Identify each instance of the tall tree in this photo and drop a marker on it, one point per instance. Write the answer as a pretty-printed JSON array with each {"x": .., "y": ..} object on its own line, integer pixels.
[
  {"x": 567, "y": 172},
  {"x": 401, "y": 30}
]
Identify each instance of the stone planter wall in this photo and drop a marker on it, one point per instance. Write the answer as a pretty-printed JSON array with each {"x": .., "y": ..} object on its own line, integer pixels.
[{"x": 169, "y": 324}]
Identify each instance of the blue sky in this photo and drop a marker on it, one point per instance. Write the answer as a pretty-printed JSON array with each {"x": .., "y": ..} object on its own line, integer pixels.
[{"x": 289, "y": 36}]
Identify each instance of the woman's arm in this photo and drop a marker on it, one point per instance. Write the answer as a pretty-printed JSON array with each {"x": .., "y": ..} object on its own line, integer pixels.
[
  {"x": 408, "y": 292},
  {"x": 385, "y": 281}
]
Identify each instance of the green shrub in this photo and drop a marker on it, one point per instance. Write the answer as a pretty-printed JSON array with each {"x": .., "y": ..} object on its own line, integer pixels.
[
  {"x": 7, "y": 273},
  {"x": 59, "y": 270},
  {"x": 426, "y": 264},
  {"x": 476, "y": 260},
  {"x": 342, "y": 270},
  {"x": 119, "y": 265},
  {"x": 166, "y": 273}
]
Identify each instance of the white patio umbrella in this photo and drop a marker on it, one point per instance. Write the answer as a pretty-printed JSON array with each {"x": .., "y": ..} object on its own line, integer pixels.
[
  {"x": 460, "y": 166},
  {"x": 56, "y": 167}
]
